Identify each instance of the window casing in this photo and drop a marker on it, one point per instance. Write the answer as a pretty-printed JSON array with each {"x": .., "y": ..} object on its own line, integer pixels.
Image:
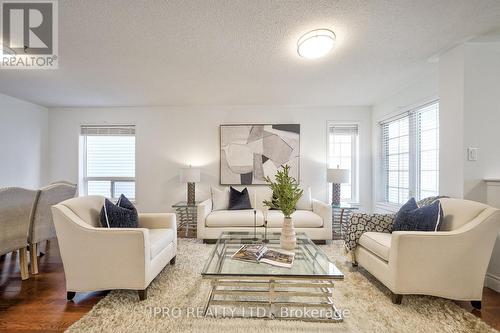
[
  {"x": 343, "y": 152},
  {"x": 410, "y": 154},
  {"x": 107, "y": 165}
]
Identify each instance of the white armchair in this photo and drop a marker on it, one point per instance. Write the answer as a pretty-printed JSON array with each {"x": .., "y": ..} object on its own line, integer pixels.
[
  {"x": 97, "y": 258},
  {"x": 450, "y": 263}
]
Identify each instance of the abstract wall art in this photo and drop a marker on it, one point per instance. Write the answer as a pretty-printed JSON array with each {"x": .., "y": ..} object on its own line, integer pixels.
[{"x": 248, "y": 153}]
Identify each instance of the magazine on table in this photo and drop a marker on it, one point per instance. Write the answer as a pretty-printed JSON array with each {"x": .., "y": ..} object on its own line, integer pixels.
[{"x": 260, "y": 253}]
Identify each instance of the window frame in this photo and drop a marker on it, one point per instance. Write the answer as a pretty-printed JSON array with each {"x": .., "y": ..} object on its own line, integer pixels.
[
  {"x": 355, "y": 157},
  {"x": 84, "y": 179},
  {"x": 414, "y": 153}
]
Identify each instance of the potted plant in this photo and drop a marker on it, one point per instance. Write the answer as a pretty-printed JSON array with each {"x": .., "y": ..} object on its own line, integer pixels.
[{"x": 286, "y": 193}]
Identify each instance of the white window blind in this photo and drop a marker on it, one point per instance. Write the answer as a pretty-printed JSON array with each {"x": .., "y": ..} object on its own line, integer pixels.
[
  {"x": 343, "y": 153},
  {"x": 108, "y": 160},
  {"x": 410, "y": 154}
]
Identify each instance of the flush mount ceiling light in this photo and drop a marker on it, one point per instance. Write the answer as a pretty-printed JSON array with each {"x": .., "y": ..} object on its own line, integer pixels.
[{"x": 316, "y": 43}]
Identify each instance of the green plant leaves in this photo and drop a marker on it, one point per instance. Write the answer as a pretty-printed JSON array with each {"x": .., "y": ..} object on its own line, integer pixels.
[{"x": 286, "y": 192}]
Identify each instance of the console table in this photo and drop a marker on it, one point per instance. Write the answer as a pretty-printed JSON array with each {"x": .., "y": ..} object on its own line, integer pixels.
[
  {"x": 340, "y": 215},
  {"x": 186, "y": 215}
]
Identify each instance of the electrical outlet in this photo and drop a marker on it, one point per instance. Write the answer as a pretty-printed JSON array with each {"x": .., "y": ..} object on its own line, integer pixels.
[{"x": 472, "y": 154}]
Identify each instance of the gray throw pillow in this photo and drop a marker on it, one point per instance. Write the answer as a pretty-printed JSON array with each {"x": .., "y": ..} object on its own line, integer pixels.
[
  {"x": 121, "y": 215},
  {"x": 239, "y": 200}
]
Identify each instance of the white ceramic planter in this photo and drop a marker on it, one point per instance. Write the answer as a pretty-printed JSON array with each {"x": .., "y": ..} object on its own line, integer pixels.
[{"x": 288, "y": 239}]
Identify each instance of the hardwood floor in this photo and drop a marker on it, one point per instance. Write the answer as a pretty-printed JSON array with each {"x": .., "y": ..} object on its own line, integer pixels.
[{"x": 39, "y": 304}]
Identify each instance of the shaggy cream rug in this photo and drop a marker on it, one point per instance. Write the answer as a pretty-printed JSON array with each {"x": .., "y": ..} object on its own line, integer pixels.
[{"x": 181, "y": 287}]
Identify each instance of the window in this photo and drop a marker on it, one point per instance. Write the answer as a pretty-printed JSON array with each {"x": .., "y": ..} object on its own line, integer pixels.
[
  {"x": 108, "y": 161},
  {"x": 410, "y": 154},
  {"x": 343, "y": 153}
]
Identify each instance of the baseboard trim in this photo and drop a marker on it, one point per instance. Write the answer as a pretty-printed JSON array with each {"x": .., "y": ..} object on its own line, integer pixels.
[{"x": 493, "y": 282}]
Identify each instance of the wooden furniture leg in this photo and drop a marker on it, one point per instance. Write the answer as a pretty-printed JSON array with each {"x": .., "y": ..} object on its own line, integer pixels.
[
  {"x": 143, "y": 294},
  {"x": 23, "y": 263},
  {"x": 476, "y": 304},
  {"x": 70, "y": 295},
  {"x": 396, "y": 298},
  {"x": 33, "y": 258}
]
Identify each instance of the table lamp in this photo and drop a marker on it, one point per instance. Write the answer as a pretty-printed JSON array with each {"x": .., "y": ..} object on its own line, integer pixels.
[
  {"x": 190, "y": 176},
  {"x": 337, "y": 177}
]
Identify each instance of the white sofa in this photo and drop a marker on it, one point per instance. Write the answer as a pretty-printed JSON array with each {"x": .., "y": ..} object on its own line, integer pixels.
[
  {"x": 96, "y": 258},
  {"x": 316, "y": 221},
  {"x": 450, "y": 263}
]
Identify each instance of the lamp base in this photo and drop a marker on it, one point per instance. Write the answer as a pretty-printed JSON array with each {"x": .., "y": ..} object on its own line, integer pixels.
[
  {"x": 191, "y": 196},
  {"x": 335, "y": 194}
]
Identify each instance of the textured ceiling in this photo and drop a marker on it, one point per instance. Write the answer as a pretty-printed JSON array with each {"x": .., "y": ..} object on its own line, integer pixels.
[{"x": 237, "y": 52}]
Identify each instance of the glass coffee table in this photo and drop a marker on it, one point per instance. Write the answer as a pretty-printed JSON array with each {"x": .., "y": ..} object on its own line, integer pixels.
[{"x": 260, "y": 290}]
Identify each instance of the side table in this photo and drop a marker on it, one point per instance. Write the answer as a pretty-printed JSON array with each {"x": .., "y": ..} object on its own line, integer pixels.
[
  {"x": 340, "y": 216},
  {"x": 186, "y": 215}
]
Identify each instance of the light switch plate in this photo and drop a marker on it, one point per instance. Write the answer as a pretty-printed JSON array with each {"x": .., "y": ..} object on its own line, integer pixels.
[{"x": 472, "y": 154}]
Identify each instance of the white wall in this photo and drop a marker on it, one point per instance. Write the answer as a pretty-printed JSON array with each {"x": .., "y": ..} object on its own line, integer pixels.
[
  {"x": 23, "y": 143},
  {"x": 481, "y": 130},
  {"x": 470, "y": 117},
  {"x": 168, "y": 138},
  {"x": 482, "y": 116},
  {"x": 421, "y": 91},
  {"x": 451, "y": 121}
]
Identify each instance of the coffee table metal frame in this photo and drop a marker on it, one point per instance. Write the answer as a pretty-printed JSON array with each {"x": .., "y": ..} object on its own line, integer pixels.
[{"x": 269, "y": 288}]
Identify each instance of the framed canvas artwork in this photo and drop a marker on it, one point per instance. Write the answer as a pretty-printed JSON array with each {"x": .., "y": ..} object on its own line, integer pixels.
[{"x": 248, "y": 153}]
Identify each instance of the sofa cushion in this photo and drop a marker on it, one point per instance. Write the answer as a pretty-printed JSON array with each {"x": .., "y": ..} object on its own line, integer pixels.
[
  {"x": 300, "y": 218},
  {"x": 234, "y": 218},
  {"x": 458, "y": 212},
  {"x": 159, "y": 239},
  {"x": 220, "y": 198},
  {"x": 305, "y": 201},
  {"x": 379, "y": 243}
]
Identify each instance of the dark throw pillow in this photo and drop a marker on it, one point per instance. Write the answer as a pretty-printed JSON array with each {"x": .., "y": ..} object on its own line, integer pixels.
[
  {"x": 239, "y": 200},
  {"x": 412, "y": 218},
  {"x": 121, "y": 215}
]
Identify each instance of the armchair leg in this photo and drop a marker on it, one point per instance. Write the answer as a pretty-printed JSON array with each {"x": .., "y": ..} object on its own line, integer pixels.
[
  {"x": 476, "y": 304},
  {"x": 143, "y": 294},
  {"x": 33, "y": 258},
  {"x": 70, "y": 295},
  {"x": 172, "y": 261},
  {"x": 396, "y": 298},
  {"x": 23, "y": 263}
]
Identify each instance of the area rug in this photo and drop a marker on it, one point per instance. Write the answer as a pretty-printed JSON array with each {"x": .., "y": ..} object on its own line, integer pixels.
[{"x": 179, "y": 292}]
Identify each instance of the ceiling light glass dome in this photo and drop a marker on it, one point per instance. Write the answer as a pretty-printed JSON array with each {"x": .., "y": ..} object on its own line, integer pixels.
[{"x": 316, "y": 43}]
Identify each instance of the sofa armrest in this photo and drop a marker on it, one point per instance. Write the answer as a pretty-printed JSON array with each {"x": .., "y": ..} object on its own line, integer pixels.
[
  {"x": 158, "y": 221},
  {"x": 100, "y": 258},
  {"x": 324, "y": 210},
  {"x": 204, "y": 208},
  {"x": 445, "y": 259}
]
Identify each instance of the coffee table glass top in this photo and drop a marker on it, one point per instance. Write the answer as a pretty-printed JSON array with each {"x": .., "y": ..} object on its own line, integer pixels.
[{"x": 309, "y": 262}]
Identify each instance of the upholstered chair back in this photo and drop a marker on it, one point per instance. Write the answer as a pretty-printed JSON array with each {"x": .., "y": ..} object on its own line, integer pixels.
[
  {"x": 16, "y": 210},
  {"x": 86, "y": 208},
  {"x": 458, "y": 212},
  {"x": 42, "y": 227}
]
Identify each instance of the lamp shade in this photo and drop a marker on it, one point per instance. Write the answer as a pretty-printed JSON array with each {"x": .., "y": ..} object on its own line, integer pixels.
[
  {"x": 190, "y": 175},
  {"x": 337, "y": 176}
]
